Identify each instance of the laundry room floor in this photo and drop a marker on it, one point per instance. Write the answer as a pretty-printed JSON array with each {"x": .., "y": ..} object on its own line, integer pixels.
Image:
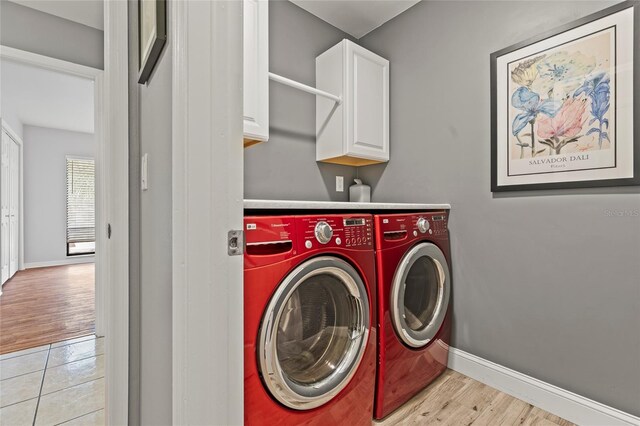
[{"x": 455, "y": 399}]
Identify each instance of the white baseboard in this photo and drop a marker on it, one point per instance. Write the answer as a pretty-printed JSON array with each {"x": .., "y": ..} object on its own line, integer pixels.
[
  {"x": 71, "y": 261},
  {"x": 561, "y": 402}
]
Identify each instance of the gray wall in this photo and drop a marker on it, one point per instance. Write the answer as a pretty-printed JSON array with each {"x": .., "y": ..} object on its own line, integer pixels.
[
  {"x": 38, "y": 32},
  {"x": 155, "y": 237},
  {"x": 546, "y": 283},
  {"x": 45, "y": 189},
  {"x": 8, "y": 106},
  {"x": 285, "y": 166},
  {"x": 151, "y": 240}
]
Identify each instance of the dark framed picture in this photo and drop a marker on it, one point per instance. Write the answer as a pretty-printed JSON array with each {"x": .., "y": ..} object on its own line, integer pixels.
[
  {"x": 152, "y": 35},
  {"x": 564, "y": 106}
]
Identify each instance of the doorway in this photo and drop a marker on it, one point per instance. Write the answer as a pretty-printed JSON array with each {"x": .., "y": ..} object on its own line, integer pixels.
[
  {"x": 51, "y": 310},
  {"x": 112, "y": 218},
  {"x": 54, "y": 193}
]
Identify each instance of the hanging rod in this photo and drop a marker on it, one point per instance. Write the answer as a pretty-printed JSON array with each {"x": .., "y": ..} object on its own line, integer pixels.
[{"x": 304, "y": 87}]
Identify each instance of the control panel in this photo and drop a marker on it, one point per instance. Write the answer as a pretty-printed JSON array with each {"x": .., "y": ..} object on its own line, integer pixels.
[
  {"x": 345, "y": 231},
  {"x": 394, "y": 229},
  {"x": 430, "y": 224}
]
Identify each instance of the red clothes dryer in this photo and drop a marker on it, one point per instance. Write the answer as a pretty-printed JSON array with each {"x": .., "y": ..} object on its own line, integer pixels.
[
  {"x": 310, "y": 320},
  {"x": 414, "y": 294}
]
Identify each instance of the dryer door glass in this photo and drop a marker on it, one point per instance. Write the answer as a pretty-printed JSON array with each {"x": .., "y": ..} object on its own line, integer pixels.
[
  {"x": 314, "y": 333},
  {"x": 420, "y": 294}
]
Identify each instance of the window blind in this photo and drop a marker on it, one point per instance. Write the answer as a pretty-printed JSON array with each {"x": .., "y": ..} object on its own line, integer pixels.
[{"x": 81, "y": 212}]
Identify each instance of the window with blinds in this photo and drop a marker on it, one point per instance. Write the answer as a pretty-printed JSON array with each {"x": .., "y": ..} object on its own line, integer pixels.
[{"x": 81, "y": 211}]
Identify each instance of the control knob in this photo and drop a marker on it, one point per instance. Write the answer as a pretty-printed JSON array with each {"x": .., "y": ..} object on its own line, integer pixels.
[
  {"x": 323, "y": 232},
  {"x": 423, "y": 225}
]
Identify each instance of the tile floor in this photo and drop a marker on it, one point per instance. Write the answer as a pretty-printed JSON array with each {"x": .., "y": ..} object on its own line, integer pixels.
[{"x": 61, "y": 383}]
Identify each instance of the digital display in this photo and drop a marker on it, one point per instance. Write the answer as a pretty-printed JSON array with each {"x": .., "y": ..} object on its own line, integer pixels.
[
  {"x": 354, "y": 222},
  {"x": 437, "y": 218}
]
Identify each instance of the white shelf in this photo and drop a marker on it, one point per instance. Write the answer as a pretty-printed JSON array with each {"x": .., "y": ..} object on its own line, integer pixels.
[{"x": 338, "y": 205}]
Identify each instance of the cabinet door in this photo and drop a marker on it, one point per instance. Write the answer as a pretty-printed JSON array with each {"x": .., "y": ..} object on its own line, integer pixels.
[
  {"x": 14, "y": 203},
  {"x": 368, "y": 93},
  {"x": 4, "y": 208},
  {"x": 256, "y": 70}
]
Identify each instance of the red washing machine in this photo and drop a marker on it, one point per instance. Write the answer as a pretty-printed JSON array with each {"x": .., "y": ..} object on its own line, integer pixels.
[
  {"x": 414, "y": 294},
  {"x": 310, "y": 320}
]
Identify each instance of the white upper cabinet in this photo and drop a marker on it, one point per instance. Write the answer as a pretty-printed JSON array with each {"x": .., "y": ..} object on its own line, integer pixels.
[
  {"x": 256, "y": 71},
  {"x": 356, "y": 132}
]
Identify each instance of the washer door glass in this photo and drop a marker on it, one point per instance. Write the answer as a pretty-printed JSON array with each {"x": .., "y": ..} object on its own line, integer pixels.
[
  {"x": 420, "y": 294},
  {"x": 314, "y": 333}
]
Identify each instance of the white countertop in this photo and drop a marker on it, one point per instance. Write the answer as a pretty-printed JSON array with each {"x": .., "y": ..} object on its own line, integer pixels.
[{"x": 338, "y": 205}]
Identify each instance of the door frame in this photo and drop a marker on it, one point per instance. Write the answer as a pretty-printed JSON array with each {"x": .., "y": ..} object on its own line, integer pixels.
[
  {"x": 207, "y": 198},
  {"x": 112, "y": 197},
  {"x": 116, "y": 131}
]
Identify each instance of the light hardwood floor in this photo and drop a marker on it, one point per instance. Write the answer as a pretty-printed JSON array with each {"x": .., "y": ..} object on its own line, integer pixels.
[
  {"x": 46, "y": 305},
  {"x": 455, "y": 399}
]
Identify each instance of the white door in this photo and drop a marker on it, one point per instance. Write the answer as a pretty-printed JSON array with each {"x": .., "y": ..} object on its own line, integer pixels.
[
  {"x": 4, "y": 209},
  {"x": 14, "y": 203}
]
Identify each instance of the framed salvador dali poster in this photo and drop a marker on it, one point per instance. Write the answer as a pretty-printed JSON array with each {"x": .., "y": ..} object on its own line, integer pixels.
[{"x": 565, "y": 108}]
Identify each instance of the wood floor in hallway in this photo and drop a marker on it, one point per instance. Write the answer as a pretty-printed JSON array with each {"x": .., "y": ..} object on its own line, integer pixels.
[{"x": 46, "y": 305}]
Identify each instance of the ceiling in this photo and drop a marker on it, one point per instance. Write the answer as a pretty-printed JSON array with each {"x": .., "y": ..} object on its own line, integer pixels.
[
  {"x": 45, "y": 98},
  {"x": 355, "y": 17},
  {"x": 86, "y": 12}
]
